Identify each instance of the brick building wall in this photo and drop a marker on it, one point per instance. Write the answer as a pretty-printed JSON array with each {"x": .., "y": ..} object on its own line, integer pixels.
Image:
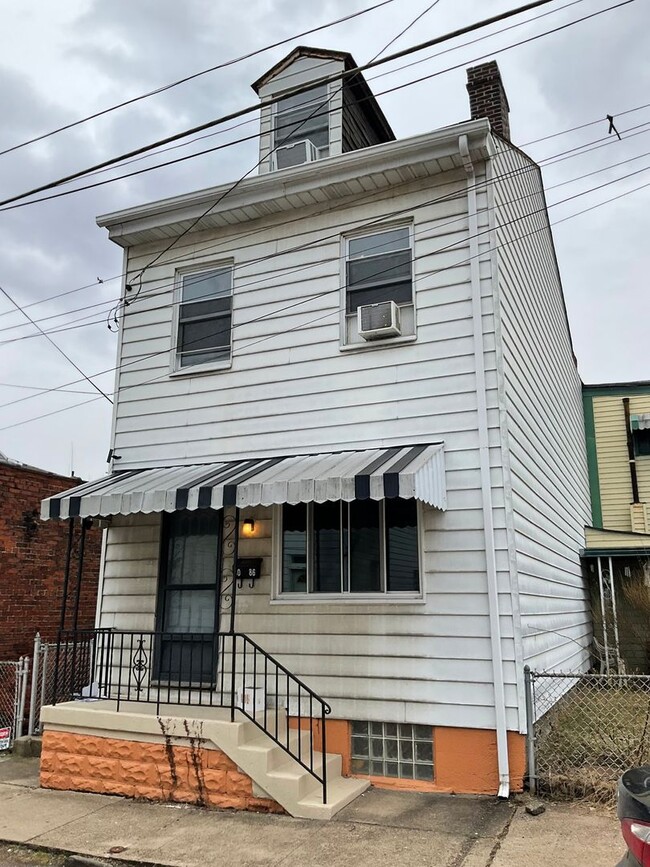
[{"x": 32, "y": 561}]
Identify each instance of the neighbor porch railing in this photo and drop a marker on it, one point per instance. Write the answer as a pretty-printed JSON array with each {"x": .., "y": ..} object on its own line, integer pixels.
[{"x": 223, "y": 669}]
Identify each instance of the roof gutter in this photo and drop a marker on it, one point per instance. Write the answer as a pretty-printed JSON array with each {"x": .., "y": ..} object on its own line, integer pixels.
[
  {"x": 320, "y": 175},
  {"x": 484, "y": 466}
]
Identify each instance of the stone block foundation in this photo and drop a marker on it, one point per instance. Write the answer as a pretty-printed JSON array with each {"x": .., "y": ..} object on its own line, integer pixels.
[{"x": 163, "y": 771}]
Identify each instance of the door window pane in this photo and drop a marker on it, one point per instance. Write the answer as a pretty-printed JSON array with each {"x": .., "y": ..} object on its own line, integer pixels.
[
  {"x": 327, "y": 547},
  {"x": 402, "y": 563},
  {"x": 190, "y": 611},
  {"x": 294, "y": 548},
  {"x": 365, "y": 564},
  {"x": 193, "y": 547}
]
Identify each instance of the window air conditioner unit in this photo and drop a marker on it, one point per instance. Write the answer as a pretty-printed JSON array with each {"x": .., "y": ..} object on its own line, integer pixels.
[
  {"x": 379, "y": 320},
  {"x": 295, "y": 154}
]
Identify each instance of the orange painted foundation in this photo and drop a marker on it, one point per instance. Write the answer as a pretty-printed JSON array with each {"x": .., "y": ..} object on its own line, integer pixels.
[
  {"x": 151, "y": 771},
  {"x": 465, "y": 760}
]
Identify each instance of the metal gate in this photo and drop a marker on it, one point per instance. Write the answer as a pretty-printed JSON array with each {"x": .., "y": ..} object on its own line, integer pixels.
[{"x": 13, "y": 690}]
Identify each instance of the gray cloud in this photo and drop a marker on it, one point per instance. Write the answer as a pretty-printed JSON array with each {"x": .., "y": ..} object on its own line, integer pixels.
[{"x": 112, "y": 51}]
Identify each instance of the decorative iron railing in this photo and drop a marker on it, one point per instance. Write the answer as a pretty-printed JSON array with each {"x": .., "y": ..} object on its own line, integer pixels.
[{"x": 222, "y": 669}]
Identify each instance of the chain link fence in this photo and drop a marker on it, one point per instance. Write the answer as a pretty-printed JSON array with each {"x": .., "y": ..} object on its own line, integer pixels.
[
  {"x": 13, "y": 690},
  {"x": 585, "y": 730},
  {"x": 56, "y": 674}
]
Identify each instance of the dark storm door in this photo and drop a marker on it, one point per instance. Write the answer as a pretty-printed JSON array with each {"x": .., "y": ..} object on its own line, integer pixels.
[{"x": 188, "y": 597}]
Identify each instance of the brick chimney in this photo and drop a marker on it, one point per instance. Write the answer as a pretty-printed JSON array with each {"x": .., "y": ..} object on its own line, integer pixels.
[{"x": 487, "y": 97}]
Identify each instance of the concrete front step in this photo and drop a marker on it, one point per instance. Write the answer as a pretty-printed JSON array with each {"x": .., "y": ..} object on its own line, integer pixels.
[
  {"x": 271, "y": 768},
  {"x": 341, "y": 791}
]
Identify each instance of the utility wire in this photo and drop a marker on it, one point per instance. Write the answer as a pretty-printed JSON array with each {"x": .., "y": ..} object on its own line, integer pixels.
[
  {"x": 194, "y": 76},
  {"x": 501, "y": 246},
  {"x": 252, "y": 120},
  {"x": 542, "y": 162},
  {"x": 319, "y": 295},
  {"x": 342, "y": 77},
  {"x": 293, "y": 270},
  {"x": 160, "y": 289},
  {"x": 110, "y": 163},
  {"x": 56, "y": 346}
]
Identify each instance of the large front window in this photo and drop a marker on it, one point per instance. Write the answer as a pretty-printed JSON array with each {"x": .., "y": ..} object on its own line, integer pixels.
[
  {"x": 362, "y": 547},
  {"x": 205, "y": 317}
]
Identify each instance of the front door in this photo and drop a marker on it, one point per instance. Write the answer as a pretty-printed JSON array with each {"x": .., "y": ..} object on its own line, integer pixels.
[{"x": 188, "y": 597}]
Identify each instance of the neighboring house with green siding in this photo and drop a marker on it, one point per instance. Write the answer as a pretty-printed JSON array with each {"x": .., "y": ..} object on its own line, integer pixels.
[{"x": 617, "y": 544}]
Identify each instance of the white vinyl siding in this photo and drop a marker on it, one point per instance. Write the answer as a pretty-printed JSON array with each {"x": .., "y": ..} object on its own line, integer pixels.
[
  {"x": 545, "y": 425},
  {"x": 291, "y": 391}
]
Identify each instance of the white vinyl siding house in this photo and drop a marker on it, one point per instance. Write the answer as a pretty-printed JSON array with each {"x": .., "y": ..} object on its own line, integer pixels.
[
  {"x": 421, "y": 392},
  {"x": 450, "y": 227}
]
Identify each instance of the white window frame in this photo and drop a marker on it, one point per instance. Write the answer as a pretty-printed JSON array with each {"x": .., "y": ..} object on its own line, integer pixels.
[
  {"x": 347, "y": 346},
  {"x": 206, "y": 367},
  {"x": 275, "y": 111},
  {"x": 384, "y": 597}
]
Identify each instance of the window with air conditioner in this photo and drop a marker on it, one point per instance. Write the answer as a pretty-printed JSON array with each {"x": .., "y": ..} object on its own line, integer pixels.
[
  {"x": 379, "y": 298},
  {"x": 301, "y": 128},
  {"x": 204, "y": 318}
]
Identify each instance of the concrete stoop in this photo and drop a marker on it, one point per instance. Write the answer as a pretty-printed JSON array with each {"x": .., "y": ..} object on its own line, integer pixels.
[{"x": 275, "y": 774}]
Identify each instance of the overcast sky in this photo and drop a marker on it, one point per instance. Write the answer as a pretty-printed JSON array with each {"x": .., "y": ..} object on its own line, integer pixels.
[{"x": 63, "y": 60}]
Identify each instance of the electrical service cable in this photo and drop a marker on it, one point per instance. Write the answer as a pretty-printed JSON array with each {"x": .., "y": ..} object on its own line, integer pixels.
[
  {"x": 194, "y": 76},
  {"x": 16, "y": 201},
  {"x": 342, "y": 77},
  {"x": 162, "y": 289},
  {"x": 109, "y": 303},
  {"x": 58, "y": 348},
  {"x": 501, "y": 246},
  {"x": 254, "y": 120},
  {"x": 99, "y": 281},
  {"x": 338, "y": 289}
]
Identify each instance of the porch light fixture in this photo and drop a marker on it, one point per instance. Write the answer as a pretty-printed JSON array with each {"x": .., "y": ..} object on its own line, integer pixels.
[{"x": 248, "y": 527}]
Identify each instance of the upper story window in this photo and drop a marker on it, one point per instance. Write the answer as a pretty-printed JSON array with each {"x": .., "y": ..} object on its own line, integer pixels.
[
  {"x": 302, "y": 117},
  {"x": 640, "y": 429},
  {"x": 379, "y": 268},
  {"x": 362, "y": 547},
  {"x": 205, "y": 317}
]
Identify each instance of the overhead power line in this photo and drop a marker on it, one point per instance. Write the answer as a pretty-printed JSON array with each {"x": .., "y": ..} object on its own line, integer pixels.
[
  {"x": 339, "y": 77},
  {"x": 193, "y": 76},
  {"x": 161, "y": 289},
  {"x": 528, "y": 234},
  {"x": 56, "y": 346},
  {"x": 302, "y": 301},
  {"x": 397, "y": 69},
  {"x": 9, "y": 204},
  {"x": 605, "y": 142}
]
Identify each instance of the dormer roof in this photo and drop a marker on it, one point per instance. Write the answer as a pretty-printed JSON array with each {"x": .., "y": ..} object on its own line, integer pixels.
[
  {"x": 356, "y": 83},
  {"x": 303, "y": 51}
]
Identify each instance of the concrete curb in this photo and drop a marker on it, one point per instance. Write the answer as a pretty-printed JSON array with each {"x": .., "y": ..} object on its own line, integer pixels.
[{"x": 73, "y": 859}]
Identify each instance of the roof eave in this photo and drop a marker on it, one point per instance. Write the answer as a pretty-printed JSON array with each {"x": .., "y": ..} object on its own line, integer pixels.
[{"x": 182, "y": 210}]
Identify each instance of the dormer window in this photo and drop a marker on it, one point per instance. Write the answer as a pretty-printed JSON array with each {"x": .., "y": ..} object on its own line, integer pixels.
[{"x": 301, "y": 127}]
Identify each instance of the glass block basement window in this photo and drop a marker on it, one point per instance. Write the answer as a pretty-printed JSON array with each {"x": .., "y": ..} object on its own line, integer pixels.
[{"x": 392, "y": 750}]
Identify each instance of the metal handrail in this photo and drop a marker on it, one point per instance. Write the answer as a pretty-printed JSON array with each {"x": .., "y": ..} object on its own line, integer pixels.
[{"x": 220, "y": 669}]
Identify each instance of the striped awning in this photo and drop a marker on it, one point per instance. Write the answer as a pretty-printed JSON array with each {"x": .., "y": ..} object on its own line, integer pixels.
[{"x": 400, "y": 471}]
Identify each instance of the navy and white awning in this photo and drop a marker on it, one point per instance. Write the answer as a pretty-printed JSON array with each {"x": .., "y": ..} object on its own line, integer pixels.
[{"x": 400, "y": 471}]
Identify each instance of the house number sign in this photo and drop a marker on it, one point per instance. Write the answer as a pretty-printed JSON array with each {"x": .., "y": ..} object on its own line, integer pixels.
[{"x": 248, "y": 569}]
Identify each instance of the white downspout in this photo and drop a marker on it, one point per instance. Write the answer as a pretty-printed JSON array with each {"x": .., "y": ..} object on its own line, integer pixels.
[{"x": 486, "y": 484}]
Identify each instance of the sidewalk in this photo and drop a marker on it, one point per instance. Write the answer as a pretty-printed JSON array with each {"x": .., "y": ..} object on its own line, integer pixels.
[{"x": 379, "y": 827}]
